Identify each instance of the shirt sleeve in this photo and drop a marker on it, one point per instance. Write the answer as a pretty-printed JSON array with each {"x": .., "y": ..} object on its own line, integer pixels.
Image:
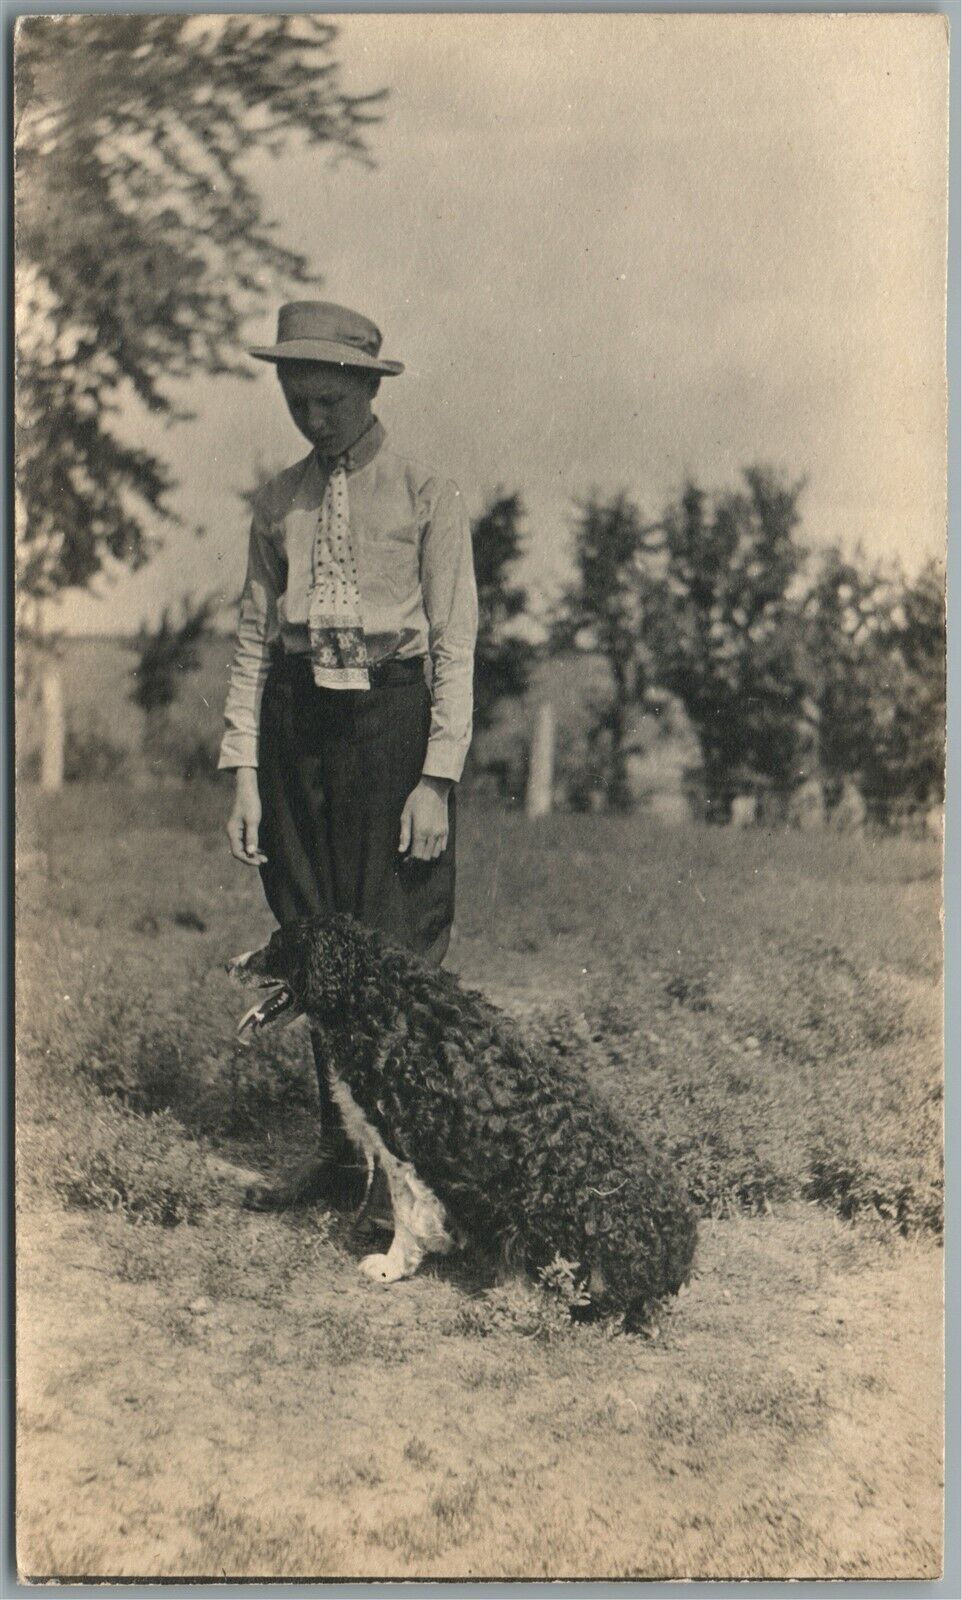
[
  {"x": 256, "y": 628},
  {"x": 451, "y": 604}
]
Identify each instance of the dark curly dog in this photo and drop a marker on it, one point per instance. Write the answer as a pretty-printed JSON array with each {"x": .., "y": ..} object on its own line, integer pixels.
[{"x": 484, "y": 1141}]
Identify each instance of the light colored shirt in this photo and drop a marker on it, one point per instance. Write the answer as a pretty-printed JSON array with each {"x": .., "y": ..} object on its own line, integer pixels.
[{"x": 412, "y": 544}]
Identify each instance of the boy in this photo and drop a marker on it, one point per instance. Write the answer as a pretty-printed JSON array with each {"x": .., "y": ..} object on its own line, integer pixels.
[{"x": 359, "y": 581}]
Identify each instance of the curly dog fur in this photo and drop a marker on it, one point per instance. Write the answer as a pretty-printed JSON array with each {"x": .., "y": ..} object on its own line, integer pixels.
[{"x": 528, "y": 1162}]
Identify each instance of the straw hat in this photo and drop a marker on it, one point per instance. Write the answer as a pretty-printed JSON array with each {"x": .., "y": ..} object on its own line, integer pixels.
[{"x": 317, "y": 330}]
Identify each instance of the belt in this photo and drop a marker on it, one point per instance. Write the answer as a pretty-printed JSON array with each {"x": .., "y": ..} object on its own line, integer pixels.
[{"x": 296, "y": 664}]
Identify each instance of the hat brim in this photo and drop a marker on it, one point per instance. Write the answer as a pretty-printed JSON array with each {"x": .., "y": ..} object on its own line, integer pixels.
[{"x": 333, "y": 355}]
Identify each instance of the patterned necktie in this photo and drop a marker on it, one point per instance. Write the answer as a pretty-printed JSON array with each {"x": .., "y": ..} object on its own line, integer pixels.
[{"x": 335, "y": 623}]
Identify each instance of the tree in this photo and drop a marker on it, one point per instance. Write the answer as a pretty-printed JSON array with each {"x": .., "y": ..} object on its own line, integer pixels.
[
  {"x": 503, "y": 659},
  {"x": 877, "y": 649},
  {"x": 141, "y": 247},
  {"x": 921, "y": 637},
  {"x": 844, "y": 608},
  {"x": 733, "y": 650},
  {"x": 165, "y": 653},
  {"x": 615, "y": 607}
]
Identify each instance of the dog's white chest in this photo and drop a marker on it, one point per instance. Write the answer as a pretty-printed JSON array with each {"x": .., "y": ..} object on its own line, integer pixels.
[{"x": 419, "y": 1220}]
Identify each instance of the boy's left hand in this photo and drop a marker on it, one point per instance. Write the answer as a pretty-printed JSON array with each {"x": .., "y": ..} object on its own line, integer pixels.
[{"x": 424, "y": 820}]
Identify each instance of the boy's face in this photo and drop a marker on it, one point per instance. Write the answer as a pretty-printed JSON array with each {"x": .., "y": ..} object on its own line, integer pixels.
[{"x": 330, "y": 406}]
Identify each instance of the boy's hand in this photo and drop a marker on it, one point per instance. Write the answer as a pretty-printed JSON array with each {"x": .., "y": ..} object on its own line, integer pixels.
[
  {"x": 245, "y": 819},
  {"x": 424, "y": 820}
]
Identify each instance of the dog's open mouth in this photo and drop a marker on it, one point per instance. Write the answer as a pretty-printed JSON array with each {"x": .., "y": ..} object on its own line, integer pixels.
[{"x": 277, "y": 1007}]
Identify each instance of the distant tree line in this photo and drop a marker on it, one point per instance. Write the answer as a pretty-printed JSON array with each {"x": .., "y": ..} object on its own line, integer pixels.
[
  {"x": 793, "y": 666},
  {"x": 796, "y": 667}
]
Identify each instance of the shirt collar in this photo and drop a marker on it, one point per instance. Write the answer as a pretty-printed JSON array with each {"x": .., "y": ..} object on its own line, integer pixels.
[{"x": 363, "y": 450}]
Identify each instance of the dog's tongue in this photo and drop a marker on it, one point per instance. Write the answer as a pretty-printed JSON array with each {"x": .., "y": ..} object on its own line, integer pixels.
[{"x": 265, "y": 1012}]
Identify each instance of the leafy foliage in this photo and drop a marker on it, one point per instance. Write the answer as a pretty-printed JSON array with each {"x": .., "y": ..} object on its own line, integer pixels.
[
  {"x": 140, "y": 1166},
  {"x": 503, "y": 659},
  {"x": 857, "y": 1185},
  {"x": 165, "y": 654},
  {"x": 788, "y": 668},
  {"x": 167, "y": 651},
  {"x": 184, "y": 754},
  {"x": 91, "y": 754},
  {"x": 513, "y": 1308},
  {"x": 877, "y": 662},
  {"x": 912, "y": 756},
  {"x": 141, "y": 247},
  {"x": 842, "y": 610},
  {"x": 615, "y": 607},
  {"x": 565, "y": 1279},
  {"x": 878, "y": 658},
  {"x": 735, "y": 646}
]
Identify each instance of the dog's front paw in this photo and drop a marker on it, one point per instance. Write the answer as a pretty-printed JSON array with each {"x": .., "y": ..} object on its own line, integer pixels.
[{"x": 383, "y": 1269}]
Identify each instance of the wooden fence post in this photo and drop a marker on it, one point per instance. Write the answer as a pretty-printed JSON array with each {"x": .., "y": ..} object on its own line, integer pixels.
[
  {"x": 53, "y": 732},
  {"x": 541, "y": 763}
]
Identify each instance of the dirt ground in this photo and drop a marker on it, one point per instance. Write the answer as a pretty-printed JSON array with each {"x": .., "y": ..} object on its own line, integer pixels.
[{"x": 784, "y": 1422}]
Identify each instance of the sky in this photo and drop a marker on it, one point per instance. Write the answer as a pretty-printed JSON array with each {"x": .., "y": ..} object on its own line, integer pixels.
[{"x": 613, "y": 251}]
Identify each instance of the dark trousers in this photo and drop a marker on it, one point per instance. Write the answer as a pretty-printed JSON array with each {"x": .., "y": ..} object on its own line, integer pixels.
[{"x": 335, "y": 768}]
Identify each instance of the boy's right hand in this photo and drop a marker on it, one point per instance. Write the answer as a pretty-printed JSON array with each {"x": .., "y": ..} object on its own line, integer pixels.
[{"x": 245, "y": 819}]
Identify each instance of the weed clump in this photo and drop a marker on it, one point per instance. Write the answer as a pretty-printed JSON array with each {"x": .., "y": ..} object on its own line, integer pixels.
[
  {"x": 512, "y": 1308},
  {"x": 141, "y": 1166},
  {"x": 861, "y": 1184}
]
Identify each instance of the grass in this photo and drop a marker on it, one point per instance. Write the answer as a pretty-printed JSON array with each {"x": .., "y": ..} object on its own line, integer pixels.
[
  {"x": 206, "y": 1391},
  {"x": 139, "y": 1166},
  {"x": 765, "y": 1006}
]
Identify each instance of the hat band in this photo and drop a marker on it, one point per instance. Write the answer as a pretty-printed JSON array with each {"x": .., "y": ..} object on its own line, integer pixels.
[{"x": 326, "y": 351}]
